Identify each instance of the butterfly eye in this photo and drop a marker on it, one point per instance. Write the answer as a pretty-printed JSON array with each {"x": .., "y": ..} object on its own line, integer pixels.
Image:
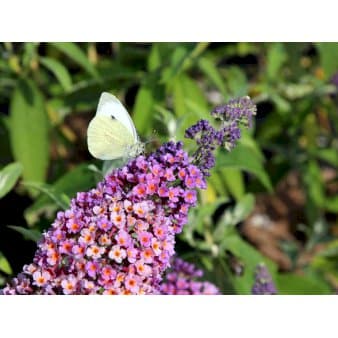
[{"x": 113, "y": 117}]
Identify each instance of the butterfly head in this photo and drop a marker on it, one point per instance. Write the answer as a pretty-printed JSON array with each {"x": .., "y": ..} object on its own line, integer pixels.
[{"x": 135, "y": 149}]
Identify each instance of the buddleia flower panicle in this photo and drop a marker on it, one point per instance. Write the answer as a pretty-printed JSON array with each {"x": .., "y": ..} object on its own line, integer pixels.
[
  {"x": 233, "y": 115},
  {"x": 184, "y": 278},
  {"x": 119, "y": 237},
  {"x": 263, "y": 282},
  {"x": 240, "y": 110}
]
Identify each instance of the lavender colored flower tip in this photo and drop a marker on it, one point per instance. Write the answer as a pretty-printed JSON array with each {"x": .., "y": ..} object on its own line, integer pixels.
[
  {"x": 263, "y": 282},
  {"x": 119, "y": 237},
  {"x": 334, "y": 79},
  {"x": 235, "y": 113},
  {"x": 236, "y": 110},
  {"x": 183, "y": 279}
]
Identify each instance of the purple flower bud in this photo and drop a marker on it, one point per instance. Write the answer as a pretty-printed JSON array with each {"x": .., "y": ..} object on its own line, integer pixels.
[
  {"x": 183, "y": 279},
  {"x": 236, "y": 110},
  {"x": 263, "y": 282},
  {"x": 235, "y": 113},
  {"x": 334, "y": 79}
]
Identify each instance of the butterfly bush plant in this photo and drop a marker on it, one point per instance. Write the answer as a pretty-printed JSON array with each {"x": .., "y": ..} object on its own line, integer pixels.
[{"x": 119, "y": 238}]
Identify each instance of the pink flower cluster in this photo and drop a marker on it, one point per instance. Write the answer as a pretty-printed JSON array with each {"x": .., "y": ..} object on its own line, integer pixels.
[
  {"x": 182, "y": 279},
  {"x": 119, "y": 237}
]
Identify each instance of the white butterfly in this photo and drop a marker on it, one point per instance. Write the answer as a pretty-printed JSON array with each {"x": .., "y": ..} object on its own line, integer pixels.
[{"x": 111, "y": 133}]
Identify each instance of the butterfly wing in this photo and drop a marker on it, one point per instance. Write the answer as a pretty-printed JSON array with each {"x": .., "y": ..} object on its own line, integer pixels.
[
  {"x": 108, "y": 138},
  {"x": 109, "y": 105}
]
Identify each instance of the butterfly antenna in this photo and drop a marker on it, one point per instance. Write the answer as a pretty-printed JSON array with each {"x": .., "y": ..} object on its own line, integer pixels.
[{"x": 155, "y": 133}]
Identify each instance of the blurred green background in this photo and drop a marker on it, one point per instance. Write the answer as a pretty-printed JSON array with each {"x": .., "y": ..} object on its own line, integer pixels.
[{"x": 273, "y": 199}]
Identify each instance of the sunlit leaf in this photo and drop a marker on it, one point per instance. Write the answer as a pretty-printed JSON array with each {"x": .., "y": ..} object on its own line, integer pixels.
[
  {"x": 210, "y": 70},
  {"x": 59, "y": 70},
  {"x": 189, "y": 102},
  {"x": 4, "y": 265},
  {"x": 143, "y": 109},
  {"x": 328, "y": 155},
  {"x": 29, "y": 130},
  {"x": 314, "y": 184},
  {"x": 234, "y": 181},
  {"x": 74, "y": 52},
  {"x": 328, "y": 52},
  {"x": 8, "y": 177},
  {"x": 242, "y": 157},
  {"x": 291, "y": 284},
  {"x": 154, "y": 59},
  {"x": 275, "y": 59}
]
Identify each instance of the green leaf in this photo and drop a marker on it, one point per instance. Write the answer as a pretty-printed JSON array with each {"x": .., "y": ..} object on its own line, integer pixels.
[
  {"x": 250, "y": 258},
  {"x": 60, "y": 199},
  {"x": 166, "y": 121},
  {"x": 8, "y": 177},
  {"x": 242, "y": 157},
  {"x": 243, "y": 208},
  {"x": 234, "y": 181},
  {"x": 313, "y": 183},
  {"x": 216, "y": 180},
  {"x": 195, "y": 97},
  {"x": 59, "y": 71},
  {"x": 199, "y": 217},
  {"x": 331, "y": 204},
  {"x": 328, "y": 53},
  {"x": 249, "y": 141},
  {"x": 154, "y": 59},
  {"x": 237, "y": 81},
  {"x": 78, "y": 179},
  {"x": 30, "y": 53},
  {"x": 210, "y": 70},
  {"x": 291, "y": 284},
  {"x": 275, "y": 60},
  {"x": 143, "y": 109},
  {"x": 29, "y": 234},
  {"x": 231, "y": 218},
  {"x": 29, "y": 130},
  {"x": 283, "y": 106},
  {"x": 75, "y": 53},
  {"x": 4, "y": 265},
  {"x": 179, "y": 98},
  {"x": 293, "y": 91},
  {"x": 189, "y": 102},
  {"x": 328, "y": 155},
  {"x": 181, "y": 59}
]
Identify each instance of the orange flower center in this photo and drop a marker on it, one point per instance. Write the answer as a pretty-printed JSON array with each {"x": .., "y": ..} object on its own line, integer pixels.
[
  {"x": 41, "y": 280},
  {"x": 75, "y": 226}
]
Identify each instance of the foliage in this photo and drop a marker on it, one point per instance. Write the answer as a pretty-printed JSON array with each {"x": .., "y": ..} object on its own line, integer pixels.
[{"x": 49, "y": 91}]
